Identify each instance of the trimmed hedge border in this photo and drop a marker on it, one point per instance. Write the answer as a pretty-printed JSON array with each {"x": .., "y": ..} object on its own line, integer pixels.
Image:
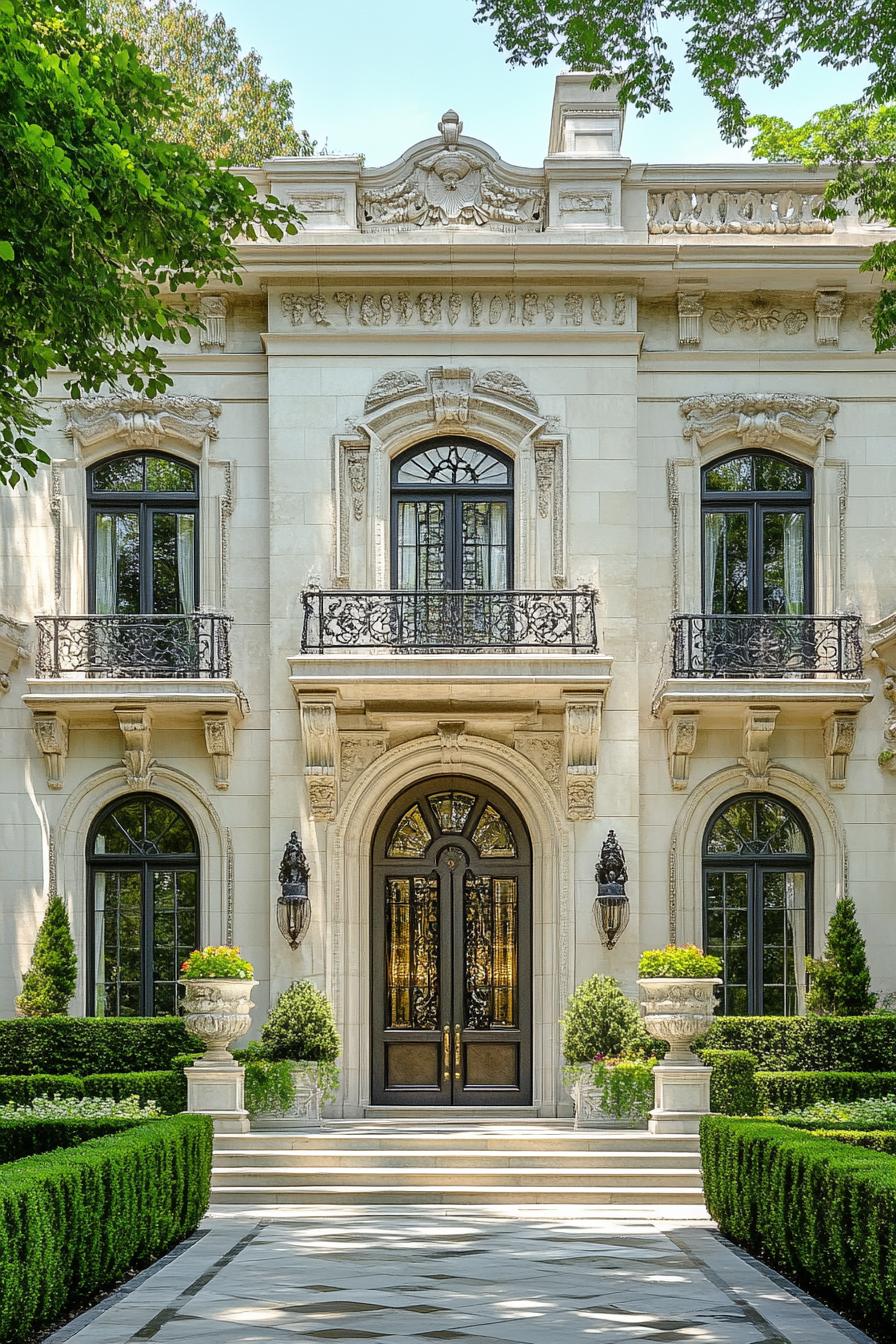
[
  {"x": 88, "y": 1045},
  {"x": 796, "y": 1090},
  {"x": 817, "y": 1043},
  {"x": 821, "y": 1211},
  {"x": 24, "y": 1136},
  {"x": 75, "y": 1221},
  {"x": 732, "y": 1087},
  {"x": 168, "y": 1087},
  {"x": 880, "y": 1140}
]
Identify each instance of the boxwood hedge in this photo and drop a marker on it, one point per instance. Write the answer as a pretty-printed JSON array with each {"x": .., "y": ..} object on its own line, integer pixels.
[
  {"x": 167, "y": 1087},
  {"x": 74, "y": 1221},
  {"x": 793, "y": 1091},
  {"x": 822, "y": 1211},
  {"x": 732, "y": 1087},
  {"x": 866, "y": 1044},
  {"x": 23, "y": 1135},
  {"x": 87, "y": 1045}
]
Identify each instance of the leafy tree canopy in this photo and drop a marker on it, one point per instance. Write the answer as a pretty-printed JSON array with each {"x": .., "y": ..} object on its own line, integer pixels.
[
  {"x": 103, "y": 217},
  {"x": 726, "y": 42},
  {"x": 232, "y": 110}
]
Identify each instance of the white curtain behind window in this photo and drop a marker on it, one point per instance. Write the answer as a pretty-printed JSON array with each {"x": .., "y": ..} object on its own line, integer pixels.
[
  {"x": 99, "y": 942},
  {"x": 106, "y": 564},
  {"x": 497, "y": 580},
  {"x": 794, "y": 557},
  {"x": 713, "y": 528},
  {"x": 186, "y": 554}
]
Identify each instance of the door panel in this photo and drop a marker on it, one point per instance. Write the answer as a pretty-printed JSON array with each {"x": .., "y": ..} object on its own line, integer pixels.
[{"x": 451, "y": 971}]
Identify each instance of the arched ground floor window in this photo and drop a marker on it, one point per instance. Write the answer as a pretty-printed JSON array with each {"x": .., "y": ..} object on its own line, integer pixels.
[
  {"x": 757, "y": 903},
  {"x": 143, "y": 906}
]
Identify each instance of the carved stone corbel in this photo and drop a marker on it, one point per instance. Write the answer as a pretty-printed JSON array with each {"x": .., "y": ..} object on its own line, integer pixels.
[
  {"x": 51, "y": 734},
  {"x": 320, "y": 738},
  {"x": 681, "y": 739},
  {"x": 12, "y": 648},
  {"x": 136, "y": 729},
  {"x": 828, "y": 312},
  {"x": 690, "y": 317},
  {"x": 450, "y": 732},
  {"x": 219, "y": 745},
  {"x": 582, "y": 719},
  {"x": 839, "y": 739},
  {"x": 759, "y": 724},
  {"x": 451, "y": 390}
]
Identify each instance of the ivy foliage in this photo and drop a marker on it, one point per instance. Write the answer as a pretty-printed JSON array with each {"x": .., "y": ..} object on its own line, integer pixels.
[
  {"x": 841, "y": 980},
  {"x": 725, "y": 43},
  {"x": 49, "y": 982},
  {"x": 104, "y": 217}
]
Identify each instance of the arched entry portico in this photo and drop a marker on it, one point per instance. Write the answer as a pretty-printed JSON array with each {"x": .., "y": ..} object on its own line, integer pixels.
[
  {"x": 349, "y": 847},
  {"x": 451, "y": 949}
]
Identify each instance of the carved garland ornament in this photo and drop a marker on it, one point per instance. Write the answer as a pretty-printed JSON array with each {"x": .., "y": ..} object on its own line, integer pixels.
[
  {"x": 759, "y": 420},
  {"x": 142, "y": 422}
]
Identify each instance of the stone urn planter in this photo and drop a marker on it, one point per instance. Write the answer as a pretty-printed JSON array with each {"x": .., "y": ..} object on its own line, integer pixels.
[
  {"x": 588, "y": 1100},
  {"x": 219, "y": 1011},
  {"x": 678, "y": 1010},
  {"x": 309, "y": 1092}
]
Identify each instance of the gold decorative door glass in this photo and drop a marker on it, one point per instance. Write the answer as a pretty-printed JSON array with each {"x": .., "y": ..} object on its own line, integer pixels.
[{"x": 451, "y": 950}]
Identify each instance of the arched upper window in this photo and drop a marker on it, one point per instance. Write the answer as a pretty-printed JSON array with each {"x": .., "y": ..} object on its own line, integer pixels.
[
  {"x": 452, "y": 517},
  {"x": 757, "y": 903},
  {"x": 143, "y": 549},
  {"x": 143, "y": 879},
  {"x": 757, "y": 526}
]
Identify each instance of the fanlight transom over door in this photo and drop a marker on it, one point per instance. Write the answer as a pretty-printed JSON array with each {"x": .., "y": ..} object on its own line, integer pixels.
[{"x": 451, "y": 948}]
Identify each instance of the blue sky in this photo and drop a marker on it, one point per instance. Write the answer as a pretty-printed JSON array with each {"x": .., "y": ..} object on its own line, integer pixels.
[{"x": 373, "y": 76}]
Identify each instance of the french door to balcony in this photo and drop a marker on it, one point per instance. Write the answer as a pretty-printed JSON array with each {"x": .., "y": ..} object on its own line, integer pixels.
[{"x": 451, "y": 950}]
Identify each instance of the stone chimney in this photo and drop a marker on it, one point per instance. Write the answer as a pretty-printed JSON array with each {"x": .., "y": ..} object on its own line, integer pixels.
[
  {"x": 584, "y": 168},
  {"x": 585, "y": 121}
]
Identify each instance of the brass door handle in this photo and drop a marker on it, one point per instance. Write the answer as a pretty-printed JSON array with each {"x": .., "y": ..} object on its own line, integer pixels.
[
  {"x": 446, "y": 1053},
  {"x": 457, "y": 1057}
]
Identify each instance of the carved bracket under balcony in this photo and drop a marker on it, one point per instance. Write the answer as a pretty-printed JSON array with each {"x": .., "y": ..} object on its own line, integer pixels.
[
  {"x": 758, "y": 726},
  {"x": 320, "y": 739},
  {"x": 759, "y": 420},
  {"x": 12, "y": 648},
  {"x": 136, "y": 729},
  {"x": 51, "y": 735},
  {"x": 839, "y": 739},
  {"x": 142, "y": 422},
  {"x": 681, "y": 739},
  {"x": 582, "y": 720},
  {"x": 219, "y": 745}
]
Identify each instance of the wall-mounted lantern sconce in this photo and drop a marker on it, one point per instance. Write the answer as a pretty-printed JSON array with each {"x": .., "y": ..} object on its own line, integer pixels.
[
  {"x": 611, "y": 907},
  {"x": 294, "y": 903}
]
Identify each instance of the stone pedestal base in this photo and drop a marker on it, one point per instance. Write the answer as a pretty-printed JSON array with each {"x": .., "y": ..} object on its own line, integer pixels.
[
  {"x": 681, "y": 1092},
  {"x": 217, "y": 1090}
]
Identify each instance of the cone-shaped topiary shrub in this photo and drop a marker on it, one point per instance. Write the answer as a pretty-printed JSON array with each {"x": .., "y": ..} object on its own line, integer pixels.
[
  {"x": 49, "y": 982},
  {"x": 301, "y": 1026},
  {"x": 841, "y": 981}
]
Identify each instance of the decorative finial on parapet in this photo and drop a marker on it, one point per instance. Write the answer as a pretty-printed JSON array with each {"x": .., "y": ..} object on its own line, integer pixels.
[{"x": 450, "y": 127}]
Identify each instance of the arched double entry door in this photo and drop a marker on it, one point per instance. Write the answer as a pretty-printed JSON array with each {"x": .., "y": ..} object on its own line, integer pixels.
[{"x": 451, "y": 945}]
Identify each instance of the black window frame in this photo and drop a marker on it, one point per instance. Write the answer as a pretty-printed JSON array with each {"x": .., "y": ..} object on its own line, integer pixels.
[
  {"x": 145, "y": 864},
  {"x": 754, "y": 866},
  {"x": 757, "y": 503},
  {"x": 145, "y": 503},
  {"x": 452, "y": 497}
]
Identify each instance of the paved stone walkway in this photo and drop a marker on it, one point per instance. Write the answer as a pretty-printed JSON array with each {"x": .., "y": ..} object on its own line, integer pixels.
[{"x": 527, "y": 1276}]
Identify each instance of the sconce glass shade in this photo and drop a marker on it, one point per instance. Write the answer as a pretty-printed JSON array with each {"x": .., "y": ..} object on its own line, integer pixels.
[
  {"x": 611, "y": 915},
  {"x": 294, "y": 916}
]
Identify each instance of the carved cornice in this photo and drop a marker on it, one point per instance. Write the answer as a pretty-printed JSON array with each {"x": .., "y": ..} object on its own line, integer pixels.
[
  {"x": 142, "y": 422},
  {"x": 759, "y": 420}
]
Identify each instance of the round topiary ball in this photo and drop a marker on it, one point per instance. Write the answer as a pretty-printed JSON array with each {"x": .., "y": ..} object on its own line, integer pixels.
[
  {"x": 301, "y": 1026},
  {"x": 601, "y": 1020}
]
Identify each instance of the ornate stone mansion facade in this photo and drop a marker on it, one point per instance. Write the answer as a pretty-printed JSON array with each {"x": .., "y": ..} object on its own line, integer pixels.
[{"x": 500, "y": 508}]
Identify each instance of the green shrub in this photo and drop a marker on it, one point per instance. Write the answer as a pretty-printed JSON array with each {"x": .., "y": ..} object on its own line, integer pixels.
[
  {"x": 732, "y": 1087},
  {"x": 74, "y": 1221},
  {"x": 24, "y": 1135},
  {"x": 678, "y": 963},
  {"x": 82, "y": 1108},
  {"x": 269, "y": 1083},
  {"x": 628, "y": 1091},
  {"x": 853, "y": 1043},
  {"x": 880, "y": 1140},
  {"x": 821, "y": 1211},
  {"x": 82, "y": 1045},
  {"x": 49, "y": 982},
  {"x": 794, "y": 1091},
  {"x": 601, "y": 1020},
  {"x": 301, "y": 1026},
  {"x": 865, "y": 1113},
  {"x": 167, "y": 1087},
  {"x": 840, "y": 981}
]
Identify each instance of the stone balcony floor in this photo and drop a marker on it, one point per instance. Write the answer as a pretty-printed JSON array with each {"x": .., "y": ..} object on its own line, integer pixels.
[{"x": 524, "y": 1276}]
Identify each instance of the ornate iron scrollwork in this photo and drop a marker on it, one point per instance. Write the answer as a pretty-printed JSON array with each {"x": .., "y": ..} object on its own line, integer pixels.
[
  {"x": 766, "y": 646},
  {"x": 468, "y": 621},
  {"x": 194, "y": 645}
]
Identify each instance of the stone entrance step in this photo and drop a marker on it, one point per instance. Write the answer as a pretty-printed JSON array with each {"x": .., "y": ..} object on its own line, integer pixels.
[{"x": 496, "y": 1162}]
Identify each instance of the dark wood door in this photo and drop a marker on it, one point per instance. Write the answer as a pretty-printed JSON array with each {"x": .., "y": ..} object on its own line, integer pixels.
[{"x": 452, "y": 950}]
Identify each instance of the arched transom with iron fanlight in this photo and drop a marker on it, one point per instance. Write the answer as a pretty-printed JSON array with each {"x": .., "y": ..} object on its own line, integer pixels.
[
  {"x": 143, "y": 911},
  {"x": 451, "y": 947},
  {"x": 452, "y": 517},
  {"x": 757, "y": 903}
]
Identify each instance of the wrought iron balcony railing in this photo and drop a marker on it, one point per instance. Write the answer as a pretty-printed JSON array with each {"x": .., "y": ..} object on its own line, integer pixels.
[
  {"x": 197, "y": 645},
  {"x": 452, "y": 621},
  {"x": 766, "y": 646}
]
